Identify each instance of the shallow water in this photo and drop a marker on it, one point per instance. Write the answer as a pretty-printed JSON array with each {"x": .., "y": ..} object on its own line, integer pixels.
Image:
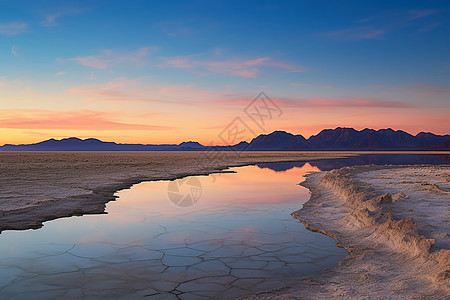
[
  {"x": 365, "y": 159},
  {"x": 219, "y": 236}
]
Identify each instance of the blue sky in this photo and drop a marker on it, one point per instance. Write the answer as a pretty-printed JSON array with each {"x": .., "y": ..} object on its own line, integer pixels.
[{"x": 123, "y": 60}]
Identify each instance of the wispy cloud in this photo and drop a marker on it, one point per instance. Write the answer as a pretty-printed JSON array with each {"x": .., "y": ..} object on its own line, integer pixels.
[
  {"x": 12, "y": 28},
  {"x": 14, "y": 50},
  {"x": 175, "y": 28},
  {"x": 60, "y": 73},
  {"x": 14, "y": 84},
  {"x": 91, "y": 61},
  {"x": 417, "y": 14},
  {"x": 235, "y": 67},
  {"x": 356, "y": 33},
  {"x": 304, "y": 84},
  {"x": 429, "y": 27},
  {"x": 328, "y": 102},
  {"x": 376, "y": 27},
  {"x": 109, "y": 57},
  {"x": 420, "y": 90},
  {"x": 67, "y": 120},
  {"x": 137, "y": 90},
  {"x": 51, "y": 18},
  {"x": 344, "y": 102},
  {"x": 429, "y": 90}
]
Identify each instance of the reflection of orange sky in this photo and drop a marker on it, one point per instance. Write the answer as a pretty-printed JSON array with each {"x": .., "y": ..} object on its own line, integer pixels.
[{"x": 251, "y": 185}]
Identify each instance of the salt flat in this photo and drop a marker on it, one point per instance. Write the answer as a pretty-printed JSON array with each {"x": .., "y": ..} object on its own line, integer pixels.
[{"x": 393, "y": 221}]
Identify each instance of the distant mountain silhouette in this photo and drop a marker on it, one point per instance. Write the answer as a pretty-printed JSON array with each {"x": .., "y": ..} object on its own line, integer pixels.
[
  {"x": 76, "y": 144},
  {"x": 278, "y": 140},
  {"x": 351, "y": 139},
  {"x": 370, "y": 139},
  {"x": 191, "y": 146},
  {"x": 339, "y": 139}
]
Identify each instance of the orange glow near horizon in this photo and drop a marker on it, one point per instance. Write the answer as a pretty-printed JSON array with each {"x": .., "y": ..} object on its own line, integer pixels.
[
  {"x": 130, "y": 111},
  {"x": 168, "y": 123}
]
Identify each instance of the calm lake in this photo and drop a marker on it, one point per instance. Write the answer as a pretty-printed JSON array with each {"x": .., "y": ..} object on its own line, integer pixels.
[{"x": 220, "y": 236}]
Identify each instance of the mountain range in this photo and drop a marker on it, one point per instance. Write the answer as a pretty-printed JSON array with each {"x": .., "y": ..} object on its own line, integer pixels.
[{"x": 338, "y": 139}]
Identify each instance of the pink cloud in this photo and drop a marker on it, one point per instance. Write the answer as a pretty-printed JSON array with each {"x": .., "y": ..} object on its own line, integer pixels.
[
  {"x": 14, "y": 50},
  {"x": 236, "y": 67},
  {"x": 67, "y": 120},
  {"x": 110, "y": 57},
  {"x": 91, "y": 61},
  {"x": 12, "y": 28},
  {"x": 136, "y": 90},
  {"x": 417, "y": 14}
]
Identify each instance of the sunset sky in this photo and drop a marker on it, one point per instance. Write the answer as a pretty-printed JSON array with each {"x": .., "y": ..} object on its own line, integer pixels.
[{"x": 173, "y": 71}]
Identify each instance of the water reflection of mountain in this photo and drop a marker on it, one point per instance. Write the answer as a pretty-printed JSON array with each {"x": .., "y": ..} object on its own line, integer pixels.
[
  {"x": 367, "y": 159},
  {"x": 281, "y": 166}
]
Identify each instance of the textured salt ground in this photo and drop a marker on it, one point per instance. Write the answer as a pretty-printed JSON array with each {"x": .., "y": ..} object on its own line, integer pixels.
[
  {"x": 41, "y": 186},
  {"x": 394, "y": 221},
  {"x": 211, "y": 263}
]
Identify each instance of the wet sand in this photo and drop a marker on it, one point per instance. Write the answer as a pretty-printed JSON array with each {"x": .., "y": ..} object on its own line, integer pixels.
[
  {"x": 41, "y": 186},
  {"x": 393, "y": 221}
]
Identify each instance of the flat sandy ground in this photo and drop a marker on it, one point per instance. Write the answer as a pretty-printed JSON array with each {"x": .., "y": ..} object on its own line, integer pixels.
[
  {"x": 41, "y": 186},
  {"x": 395, "y": 223}
]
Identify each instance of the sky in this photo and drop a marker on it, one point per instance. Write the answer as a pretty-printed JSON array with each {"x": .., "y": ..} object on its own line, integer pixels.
[{"x": 171, "y": 71}]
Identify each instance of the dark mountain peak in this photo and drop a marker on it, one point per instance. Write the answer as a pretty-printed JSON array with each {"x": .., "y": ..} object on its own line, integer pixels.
[
  {"x": 93, "y": 140},
  {"x": 429, "y": 134},
  {"x": 301, "y": 137},
  {"x": 277, "y": 140},
  {"x": 325, "y": 131},
  {"x": 344, "y": 129},
  {"x": 339, "y": 130},
  {"x": 392, "y": 131},
  {"x": 241, "y": 146},
  {"x": 278, "y": 133},
  {"x": 387, "y": 130},
  {"x": 75, "y": 140},
  {"x": 191, "y": 144}
]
